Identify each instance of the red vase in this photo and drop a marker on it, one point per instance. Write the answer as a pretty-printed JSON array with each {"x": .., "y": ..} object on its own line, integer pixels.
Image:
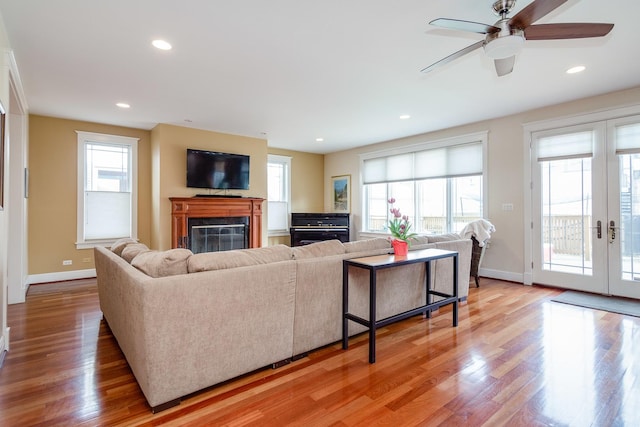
[{"x": 400, "y": 247}]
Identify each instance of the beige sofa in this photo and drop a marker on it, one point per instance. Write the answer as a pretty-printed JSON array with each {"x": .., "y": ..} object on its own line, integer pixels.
[{"x": 189, "y": 321}]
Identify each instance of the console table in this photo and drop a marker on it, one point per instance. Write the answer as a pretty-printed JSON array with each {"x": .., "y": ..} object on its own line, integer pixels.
[{"x": 375, "y": 263}]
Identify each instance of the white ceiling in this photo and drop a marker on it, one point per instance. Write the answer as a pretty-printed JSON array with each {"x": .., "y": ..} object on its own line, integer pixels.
[{"x": 291, "y": 71}]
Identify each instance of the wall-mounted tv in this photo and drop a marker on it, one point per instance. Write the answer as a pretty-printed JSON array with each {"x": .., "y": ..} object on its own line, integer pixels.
[{"x": 220, "y": 171}]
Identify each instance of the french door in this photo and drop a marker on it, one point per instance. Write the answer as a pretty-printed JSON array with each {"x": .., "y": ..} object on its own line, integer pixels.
[{"x": 586, "y": 207}]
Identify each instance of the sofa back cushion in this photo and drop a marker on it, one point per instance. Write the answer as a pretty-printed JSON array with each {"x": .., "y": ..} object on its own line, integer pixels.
[
  {"x": 132, "y": 250},
  {"x": 237, "y": 258},
  {"x": 270, "y": 254},
  {"x": 367, "y": 245},
  {"x": 419, "y": 240},
  {"x": 443, "y": 237},
  {"x": 162, "y": 263},
  {"x": 318, "y": 249},
  {"x": 118, "y": 246}
]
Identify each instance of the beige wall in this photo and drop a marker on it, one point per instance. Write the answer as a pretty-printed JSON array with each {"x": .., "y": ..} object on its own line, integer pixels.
[
  {"x": 52, "y": 212},
  {"x": 169, "y": 147},
  {"x": 161, "y": 174},
  {"x": 506, "y": 171},
  {"x": 307, "y": 189}
]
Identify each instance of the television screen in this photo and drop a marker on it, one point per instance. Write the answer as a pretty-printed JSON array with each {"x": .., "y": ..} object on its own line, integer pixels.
[{"x": 210, "y": 169}]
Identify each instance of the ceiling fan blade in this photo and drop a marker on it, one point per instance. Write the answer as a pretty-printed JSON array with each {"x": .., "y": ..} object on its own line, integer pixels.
[
  {"x": 536, "y": 10},
  {"x": 457, "y": 24},
  {"x": 453, "y": 56},
  {"x": 505, "y": 65},
  {"x": 566, "y": 31}
]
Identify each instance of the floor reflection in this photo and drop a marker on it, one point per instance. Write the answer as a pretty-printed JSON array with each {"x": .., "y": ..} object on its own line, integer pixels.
[{"x": 569, "y": 363}]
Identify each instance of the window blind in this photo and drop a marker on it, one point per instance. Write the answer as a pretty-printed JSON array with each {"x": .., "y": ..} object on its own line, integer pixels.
[
  {"x": 444, "y": 162},
  {"x": 568, "y": 146},
  {"x": 628, "y": 139},
  {"x": 107, "y": 215}
]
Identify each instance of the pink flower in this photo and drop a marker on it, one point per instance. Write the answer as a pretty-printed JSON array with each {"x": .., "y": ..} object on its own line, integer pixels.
[{"x": 399, "y": 226}]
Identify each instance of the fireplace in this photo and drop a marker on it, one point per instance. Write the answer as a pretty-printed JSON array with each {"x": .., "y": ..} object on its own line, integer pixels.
[
  {"x": 206, "y": 224},
  {"x": 218, "y": 234}
]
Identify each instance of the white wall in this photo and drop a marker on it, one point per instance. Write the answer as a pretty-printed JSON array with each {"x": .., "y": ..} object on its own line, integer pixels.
[{"x": 505, "y": 257}]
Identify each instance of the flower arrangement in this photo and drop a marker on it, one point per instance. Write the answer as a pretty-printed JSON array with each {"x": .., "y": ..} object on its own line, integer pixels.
[{"x": 399, "y": 226}]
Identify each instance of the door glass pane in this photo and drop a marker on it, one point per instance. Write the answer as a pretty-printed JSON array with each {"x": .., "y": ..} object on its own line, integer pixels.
[
  {"x": 566, "y": 216},
  {"x": 629, "y": 232}
]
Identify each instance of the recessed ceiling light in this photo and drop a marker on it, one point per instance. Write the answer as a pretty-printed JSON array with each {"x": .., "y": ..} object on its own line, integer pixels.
[
  {"x": 161, "y": 44},
  {"x": 319, "y": 139},
  {"x": 123, "y": 105},
  {"x": 405, "y": 117},
  {"x": 577, "y": 69}
]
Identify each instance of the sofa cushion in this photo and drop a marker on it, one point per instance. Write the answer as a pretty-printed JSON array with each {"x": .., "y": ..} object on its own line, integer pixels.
[
  {"x": 118, "y": 246},
  {"x": 269, "y": 254},
  {"x": 162, "y": 263},
  {"x": 238, "y": 258},
  {"x": 318, "y": 249},
  {"x": 443, "y": 237},
  {"x": 208, "y": 261},
  {"x": 367, "y": 245},
  {"x": 132, "y": 250},
  {"x": 420, "y": 240}
]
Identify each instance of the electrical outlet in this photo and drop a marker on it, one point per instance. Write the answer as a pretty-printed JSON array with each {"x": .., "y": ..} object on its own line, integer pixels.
[
  {"x": 67, "y": 262},
  {"x": 86, "y": 259}
]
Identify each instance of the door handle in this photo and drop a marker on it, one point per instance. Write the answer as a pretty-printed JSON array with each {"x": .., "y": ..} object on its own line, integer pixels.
[
  {"x": 612, "y": 231},
  {"x": 598, "y": 229}
]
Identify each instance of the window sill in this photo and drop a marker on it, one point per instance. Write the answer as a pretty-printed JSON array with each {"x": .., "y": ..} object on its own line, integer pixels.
[{"x": 93, "y": 243}]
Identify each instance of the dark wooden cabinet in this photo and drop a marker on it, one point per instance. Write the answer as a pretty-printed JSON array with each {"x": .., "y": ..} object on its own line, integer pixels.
[{"x": 183, "y": 208}]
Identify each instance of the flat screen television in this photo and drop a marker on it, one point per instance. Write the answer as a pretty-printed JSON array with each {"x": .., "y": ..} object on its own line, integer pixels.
[{"x": 215, "y": 170}]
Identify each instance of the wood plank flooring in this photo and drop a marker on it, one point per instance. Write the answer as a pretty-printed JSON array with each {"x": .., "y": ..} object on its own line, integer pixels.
[{"x": 516, "y": 359}]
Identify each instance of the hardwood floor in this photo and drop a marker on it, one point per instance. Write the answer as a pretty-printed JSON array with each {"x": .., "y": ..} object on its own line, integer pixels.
[{"x": 515, "y": 359}]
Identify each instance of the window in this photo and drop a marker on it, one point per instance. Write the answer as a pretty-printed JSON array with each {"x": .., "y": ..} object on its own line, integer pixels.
[
  {"x": 439, "y": 186},
  {"x": 278, "y": 194},
  {"x": 107, "y": 183}
]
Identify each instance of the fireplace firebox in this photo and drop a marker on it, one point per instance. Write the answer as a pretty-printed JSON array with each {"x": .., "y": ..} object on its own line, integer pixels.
[{"x": 217, "y": 234}]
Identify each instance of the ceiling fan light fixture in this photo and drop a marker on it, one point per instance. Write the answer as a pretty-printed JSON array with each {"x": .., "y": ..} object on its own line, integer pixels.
[{"x": 504, "y": 47}]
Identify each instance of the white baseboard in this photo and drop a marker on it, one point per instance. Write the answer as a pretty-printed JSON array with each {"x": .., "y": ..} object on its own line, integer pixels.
[
  {"x": 502, "y": 275},
  {"x": 61, "y": 276}
]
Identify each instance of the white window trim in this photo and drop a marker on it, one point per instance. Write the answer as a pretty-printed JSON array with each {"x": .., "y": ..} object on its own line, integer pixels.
[
  {"x": 275, "y": 158},
  {"x": 83, "y": 137},
  {"x": 482, "y": 137}
]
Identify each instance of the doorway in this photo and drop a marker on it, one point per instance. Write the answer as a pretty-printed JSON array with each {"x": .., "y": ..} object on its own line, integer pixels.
[{"x": 585, "y": 217}]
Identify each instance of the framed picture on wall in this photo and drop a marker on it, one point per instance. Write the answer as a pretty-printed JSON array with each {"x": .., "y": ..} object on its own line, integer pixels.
[{"x": 341, "y": 193}]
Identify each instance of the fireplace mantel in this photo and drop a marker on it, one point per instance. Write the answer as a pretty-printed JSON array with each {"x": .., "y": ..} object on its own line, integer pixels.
[{"x": 183, "y": 208}]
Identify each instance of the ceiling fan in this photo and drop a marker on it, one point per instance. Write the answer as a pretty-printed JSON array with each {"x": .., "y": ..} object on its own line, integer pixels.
[{"x": 505, "y": 38}]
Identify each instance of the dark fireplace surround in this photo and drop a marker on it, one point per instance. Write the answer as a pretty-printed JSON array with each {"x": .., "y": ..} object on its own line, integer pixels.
[{"x": 209, "y": 224}]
